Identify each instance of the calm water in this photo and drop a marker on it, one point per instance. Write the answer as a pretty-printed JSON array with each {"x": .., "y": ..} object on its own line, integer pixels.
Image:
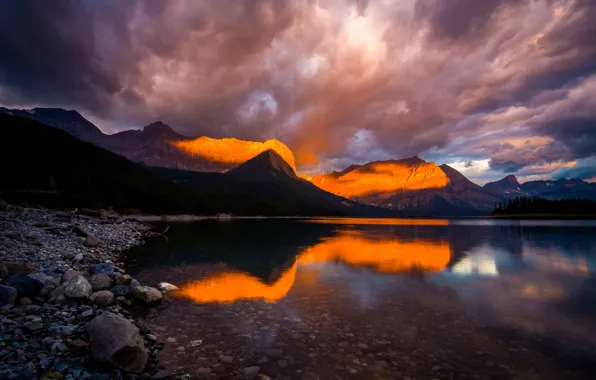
[{"x": 376, "y": 298}]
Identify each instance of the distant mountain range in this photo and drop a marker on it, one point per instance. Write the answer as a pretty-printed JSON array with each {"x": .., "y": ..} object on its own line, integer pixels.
[
  {"x": 259, "y": 177},
  {"x": 553, "y": 190}
]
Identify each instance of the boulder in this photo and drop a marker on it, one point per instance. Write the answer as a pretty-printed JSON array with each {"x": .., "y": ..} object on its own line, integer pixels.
[
  {"x": 26, "y": 286},
  {"x": 19, "y": 267},
  {"x": 122, "y": 279},
  {"x": 101, "y": 268},
  {"x": 102, "y": 298},
  {"x": 70, "y": 274},
  {"x": 121, "y": 290},
  {"x": 59, "y": 291},
  {"x": 116, "y": 341},
  {"x": 78, "y": 287},
  {"x": 8, "y": 295},
  {"x": 92, "y": 241},
  {"x": 100, "y": 281},
  {"x": 46, "y": 279},
  {"x": 146, "y": 294},
  {"x": 166, "y": 287}
]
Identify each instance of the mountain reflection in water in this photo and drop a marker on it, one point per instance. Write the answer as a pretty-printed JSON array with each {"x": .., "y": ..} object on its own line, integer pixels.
[{"x": 353, "y": 248}]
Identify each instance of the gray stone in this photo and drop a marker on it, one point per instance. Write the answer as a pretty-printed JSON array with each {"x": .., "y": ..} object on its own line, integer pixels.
[
  {"x": 33, "y": 326},
  {"x": 100, "y": 281},
  {"x": 25, "y": 301},
  {"x": 251, "y": 372},
  {"x": 146, "y": 294},
  {"x": 78, "y": 287},
  {"x": 134, "y": 283},
  {"x": 31, "y": 309},
  {"x": 121, "y": 279},
  {"x": 225, "y": 359},
  {"x": 70, "y": 274},
  {"x": 46, "y": 279},
  {"x": 101, "y": 268},
  {"x": 26, "y": 286},
  {"x": 116, "y": 341},
  {"x": 59, "y": 291},
  {"x": 87, "y": 313},
  {"x": 102, "y": 298},
  {"x": 8, "y": 295},
  {"x": 92, "y": 241}
]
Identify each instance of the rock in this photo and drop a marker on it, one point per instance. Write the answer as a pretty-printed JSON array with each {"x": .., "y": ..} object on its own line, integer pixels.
[
  {"x": 19, "y": 267},
  {"x": 225, "y": 359},
  {"x": 70, "y": 274},
  {"x": 33, "y": 326},
  {"x": 274, "y": 353},
  {"x": 203, "y": 372},
  {"x": 120, "y": 279},
  {"x": 78, "y": 287},
  {"x": 8, "y": 295},
  {"x": 116, "y": 341},
  {"x": 87, "y": 313},
  {"x": 46, "y": 279},
  {"x": 81, "y": 231},
  {"x": 121, "y": 290},
  {"x": 102, "y": 298},
  {"x": 167, "y": 287},
  {"x": 59, "y": 291},
  {"x": 101, "y": 268},
  {"x": 25, "y": 301},
  {"x": 25, "y": 285},
  {"x": 251, "y": 372},
  {"x": 31, "y": 309},
  {"x": 92, "y": 241},
  {"x": 100, "y": 281},
  {"x": 3, "y": 271},
  {"x": 134, "y": 283},
  {"x": 146, "y": 294}
]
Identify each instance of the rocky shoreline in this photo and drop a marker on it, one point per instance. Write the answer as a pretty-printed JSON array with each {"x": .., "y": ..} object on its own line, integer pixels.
[{"x": 66, "y": 302}]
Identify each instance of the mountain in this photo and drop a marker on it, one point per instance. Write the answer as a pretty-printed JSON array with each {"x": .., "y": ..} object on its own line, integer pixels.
[
  {"x": 506, "y": 186},
  {"x": 273, "y": 187},
  {"x": 157, "y": 144},
  {"x": 44, "y": 165},
  {"x": 552, "y": 190},
  {"x": 412, "y": 186}
]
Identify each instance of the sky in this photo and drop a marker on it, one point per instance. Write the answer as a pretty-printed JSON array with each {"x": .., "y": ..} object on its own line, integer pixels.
[{"x": 491, "y": 87}]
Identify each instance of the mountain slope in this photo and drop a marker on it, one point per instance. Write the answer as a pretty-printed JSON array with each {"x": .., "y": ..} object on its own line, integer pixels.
[
  {"x": 274, "y": 188},
  {"x": 412, "y": 186},
  {"x": 552, "y": 190},
  {"x": 157, "y": 144},
  {"x": 44, "y": 165}
]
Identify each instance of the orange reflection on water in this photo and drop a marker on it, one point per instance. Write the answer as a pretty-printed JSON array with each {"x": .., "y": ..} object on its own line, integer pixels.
[
  {"x": 232, "y": 286},
  {"x": 232, "y": 151},
  {"x": 383, "y": 221},
  {"x": 383, "y": 177},
  {"x": 385, "y": 256}
]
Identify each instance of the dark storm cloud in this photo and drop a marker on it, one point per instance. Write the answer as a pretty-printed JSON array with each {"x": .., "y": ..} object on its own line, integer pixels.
[
  {"x": 339, "y": 81},
  {"x": 584, "y": 169}
]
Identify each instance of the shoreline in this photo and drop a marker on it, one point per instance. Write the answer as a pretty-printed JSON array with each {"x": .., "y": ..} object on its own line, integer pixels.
[{"x": 66, "y": 299}]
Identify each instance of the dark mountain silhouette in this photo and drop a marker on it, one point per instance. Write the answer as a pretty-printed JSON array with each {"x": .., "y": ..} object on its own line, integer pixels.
[
  {"x": 273, "y": 186},
  {"x": 552, "y": 190}
]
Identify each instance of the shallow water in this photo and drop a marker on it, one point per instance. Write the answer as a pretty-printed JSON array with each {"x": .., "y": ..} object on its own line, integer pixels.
[{"x": 376, "y": 298}]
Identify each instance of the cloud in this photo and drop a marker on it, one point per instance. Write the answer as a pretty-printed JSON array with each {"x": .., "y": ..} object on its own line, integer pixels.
[
  {"x": 584, "y": 169},
  {"x": 339, "y": 81}
]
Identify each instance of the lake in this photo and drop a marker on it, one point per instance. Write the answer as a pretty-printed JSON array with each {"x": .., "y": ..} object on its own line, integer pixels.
[{"x": 375, "y": 298}]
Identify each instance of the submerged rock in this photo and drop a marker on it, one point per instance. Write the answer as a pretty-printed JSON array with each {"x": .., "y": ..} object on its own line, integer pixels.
[
  {"x": 116, "y": 341},
  {"x": 146, "y": 294},
  {"x": 78, "y": 287}
]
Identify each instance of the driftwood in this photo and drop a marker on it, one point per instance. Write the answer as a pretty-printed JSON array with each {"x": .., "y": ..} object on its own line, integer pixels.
[{"x": 150, "y": 234}]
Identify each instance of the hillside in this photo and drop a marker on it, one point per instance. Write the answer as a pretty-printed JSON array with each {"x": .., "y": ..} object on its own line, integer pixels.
[
  {"x": 410, "y": 186},
  {"x": 273, "y": 187},
  {"x": 554, "y": 190}
]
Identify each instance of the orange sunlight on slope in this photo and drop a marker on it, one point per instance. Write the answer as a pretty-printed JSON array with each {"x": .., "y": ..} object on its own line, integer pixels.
[
  {"x": 384, "y": 256},
  {"x": 232, "y": 151},
  {"x": 383, "y": 177},
  {"x": 232, "y": 286}
]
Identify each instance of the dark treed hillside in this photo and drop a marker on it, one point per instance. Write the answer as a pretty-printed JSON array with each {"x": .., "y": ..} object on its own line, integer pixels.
[
  {"x": 541, "y": 206},
  {"x": 44, "y": 165}
]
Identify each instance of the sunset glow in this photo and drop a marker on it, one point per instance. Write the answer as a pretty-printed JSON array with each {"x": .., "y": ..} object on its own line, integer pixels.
[
  {"x": 232, "y": 151},
  {"x": 383, "y": 177}
]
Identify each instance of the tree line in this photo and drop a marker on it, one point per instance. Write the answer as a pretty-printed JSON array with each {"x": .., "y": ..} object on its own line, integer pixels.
[{"x": 537, "y": 205}]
